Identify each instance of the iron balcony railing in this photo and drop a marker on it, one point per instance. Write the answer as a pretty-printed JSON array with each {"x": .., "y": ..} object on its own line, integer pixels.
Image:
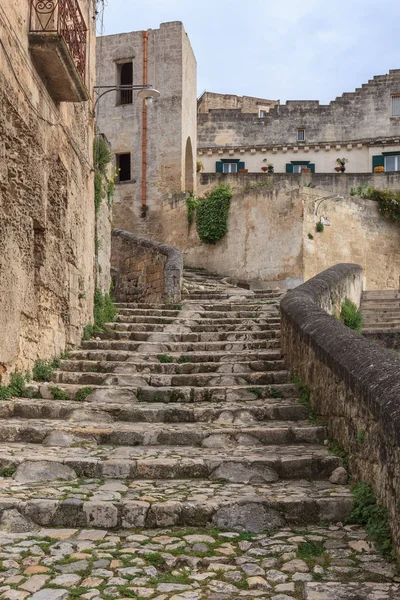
[{"x": 65, "y": 18}]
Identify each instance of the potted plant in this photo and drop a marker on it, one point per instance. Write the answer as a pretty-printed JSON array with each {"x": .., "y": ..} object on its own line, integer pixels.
[
  {"x": 379, "y": 169},
  {"x": 306, "y": 170},
  {"x": 270, "y": 168},
  {"x": 243, "y": 171},
  {"x": 265, "y": 169},
  {"x": 199, "y": 166},
  {"x": 337, "y": 169},
  {"x": 342, "y": 163}
]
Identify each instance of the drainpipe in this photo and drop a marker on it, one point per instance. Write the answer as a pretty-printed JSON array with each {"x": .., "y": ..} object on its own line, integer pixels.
[{"x": 144, "y": 128}]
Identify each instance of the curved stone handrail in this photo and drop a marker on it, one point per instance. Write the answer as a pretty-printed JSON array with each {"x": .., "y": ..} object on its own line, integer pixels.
[
  {"x": 173, "y": 267},
  {"x": 355, "y": 384}
]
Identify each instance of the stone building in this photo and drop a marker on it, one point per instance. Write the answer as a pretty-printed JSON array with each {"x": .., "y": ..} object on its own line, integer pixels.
[
  {"x": 154, "y": 146},
  {"x": 363, "y": 127},
  {"x": 47, "y": 221}
]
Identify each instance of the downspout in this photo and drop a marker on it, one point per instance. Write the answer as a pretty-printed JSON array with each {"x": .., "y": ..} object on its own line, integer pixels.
[{"x": 144, "y": 128}]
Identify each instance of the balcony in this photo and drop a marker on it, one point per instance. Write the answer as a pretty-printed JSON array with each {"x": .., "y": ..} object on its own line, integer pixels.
[{"x": 57, "y": 43}]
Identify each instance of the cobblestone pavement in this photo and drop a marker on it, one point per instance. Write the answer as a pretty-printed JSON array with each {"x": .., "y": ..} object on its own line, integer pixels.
[
  {"x": 175, "y": 450},
  {"x": 184, "y": 564}
]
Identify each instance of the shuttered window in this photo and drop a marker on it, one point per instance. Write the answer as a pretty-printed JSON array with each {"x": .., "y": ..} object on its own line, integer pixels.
[{"x": 396, "y": 105}]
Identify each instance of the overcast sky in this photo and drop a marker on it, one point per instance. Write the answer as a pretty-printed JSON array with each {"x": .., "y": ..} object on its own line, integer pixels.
[{"x": 276, "y": 49}]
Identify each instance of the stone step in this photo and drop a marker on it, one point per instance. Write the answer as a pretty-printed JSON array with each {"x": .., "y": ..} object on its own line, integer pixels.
[
  {"x": 183, "y": 347},
  {"x": 391, "y": 303},
  {"x": 166, "y": 379},
  {"x": 377, "y": 318},
  {"x": 195, "y": 320},
  {"x": 208, "y": 336},
  {"x": 381, "y": 326},
  {"x": 237, "y": 465},
  {"x": 243, "y": 326},
  {"x": 204, "y": 435},
  {"x": 269, "y": 308},
  {"x": 380, "y": 294},
  {"x": 107, "y": 412},
  {"x": 190, "y": 358},
  {"x": 159, "y": 504},
  {"x": 130, "y": 367},
  {"x": 99, "y": 393}
]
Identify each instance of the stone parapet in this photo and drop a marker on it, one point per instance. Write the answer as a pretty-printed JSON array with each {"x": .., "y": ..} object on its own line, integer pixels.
[
  {"x": 355, "y": 385},
  {"x": 145, "y": 271}
]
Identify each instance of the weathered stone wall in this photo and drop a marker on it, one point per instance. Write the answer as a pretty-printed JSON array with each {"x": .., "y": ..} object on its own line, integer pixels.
[
  {"x": 171, "y": 121},
  {"x": 145, "y": 271},
  {"x": 269, "y": 221},
  {"x": 357, "y": 125},
  {"x": 363, "y": 114},
  {"x": 355, "y": 384},
  {"x": 46, "y": 203},
  {"x": 247, "y": 104}
]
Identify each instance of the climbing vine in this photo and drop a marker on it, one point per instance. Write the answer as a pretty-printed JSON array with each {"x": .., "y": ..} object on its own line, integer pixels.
[{"x": 211, "y": 213}]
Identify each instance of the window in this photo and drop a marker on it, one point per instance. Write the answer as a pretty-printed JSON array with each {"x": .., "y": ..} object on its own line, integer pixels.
[
  {"x": 229, "y": 167},
  {"x": 301, "y": 135},
  {"x": 298, "y": 168},
  {"x": 125, "y": 77},
  {"x": 396, "y": 105},
  {"x": 392, "y": 163},
  {"x": 124, "y": 166},
  {"x": 263, "y": 113}
]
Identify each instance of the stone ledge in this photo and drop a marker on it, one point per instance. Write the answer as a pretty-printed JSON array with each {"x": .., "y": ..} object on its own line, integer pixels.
[
  {"x": 369, "y": 371},
  {"x": 172, "y": 269},
  {"x": 355, "y": 384}
]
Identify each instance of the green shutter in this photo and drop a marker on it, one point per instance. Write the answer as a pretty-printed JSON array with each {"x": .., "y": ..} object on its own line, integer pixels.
[
  {"x": 289, "y": 168},
  {"x": 218, "y": 166},
  {"x": 378, "y": 161},
  {"x": 241, "y": 165},
  {"x": 312, "y": 167}
]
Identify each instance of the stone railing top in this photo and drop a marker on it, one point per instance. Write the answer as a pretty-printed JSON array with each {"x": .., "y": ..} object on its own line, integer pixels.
[
  {"x": 370, "y": 371},
  {"x": 174, "y": 256}
]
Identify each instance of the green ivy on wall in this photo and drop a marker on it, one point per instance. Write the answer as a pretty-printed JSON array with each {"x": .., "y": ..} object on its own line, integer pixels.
[{"x": 211, "y": 213}]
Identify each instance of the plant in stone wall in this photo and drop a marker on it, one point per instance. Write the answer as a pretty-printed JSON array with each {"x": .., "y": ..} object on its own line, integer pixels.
[
  {"x": 388, "y": 203},
  {"x": 388, "y": 200},
  {"x": 101, "y": 158},
  {"x": 191, "y": 205},
  {"x": 212, "y": 214},
  {"x": 351, "y": 316}
]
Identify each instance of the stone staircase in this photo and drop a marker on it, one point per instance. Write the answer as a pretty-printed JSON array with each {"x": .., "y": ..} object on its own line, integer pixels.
[
  {"x": 381, "y": 310},
  {"x": 179, "y": 416}
]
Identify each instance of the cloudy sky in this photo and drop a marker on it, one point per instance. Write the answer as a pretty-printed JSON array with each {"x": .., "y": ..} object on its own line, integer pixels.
[{"x": 276, "y": 49}]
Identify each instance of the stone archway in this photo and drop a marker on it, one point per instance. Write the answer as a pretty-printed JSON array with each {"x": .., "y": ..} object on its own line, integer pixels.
[{"x": 189, "y": 166}]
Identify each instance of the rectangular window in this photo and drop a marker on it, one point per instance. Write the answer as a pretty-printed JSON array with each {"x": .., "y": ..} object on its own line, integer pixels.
[
  {"x": 229, "y": 167},
  {"x": 301, "y": 135},
  {"x": 124, "y": 166},
  {"x": 392, "y": 163},
  {"x": 263, "y": 113},
  {"x": 125, "y": 78},
  {"x": 396, "y": 105},
  {"x": 298, "y": 168}
]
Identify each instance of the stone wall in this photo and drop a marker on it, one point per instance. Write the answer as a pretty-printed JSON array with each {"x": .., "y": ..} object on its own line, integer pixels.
[
  {"x": 46, "y": 203},
  {"x": 363, "y": 114},
  {"x": 356, "y": 126},
  {"x": 247, "y": 104},
  {"x": 171, "y": 121},
  {"x": 270, "y": 220},
  {"x": 145, "y": 271},
  {"x": 355, "y": 384}
]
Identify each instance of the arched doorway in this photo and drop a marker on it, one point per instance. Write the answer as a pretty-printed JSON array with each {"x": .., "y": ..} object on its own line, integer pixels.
[{"x": 189, "y": 167}]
